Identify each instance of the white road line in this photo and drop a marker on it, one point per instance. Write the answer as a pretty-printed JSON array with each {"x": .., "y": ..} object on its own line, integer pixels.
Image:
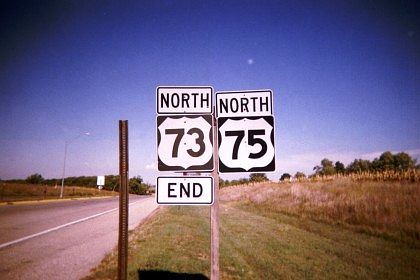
[{"x": 59, "y": 227}]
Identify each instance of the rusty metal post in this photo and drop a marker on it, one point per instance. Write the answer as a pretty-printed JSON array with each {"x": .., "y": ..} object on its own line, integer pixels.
[
  {"x": 214, "y": 210},
  {"x": 123, "y": 216}
]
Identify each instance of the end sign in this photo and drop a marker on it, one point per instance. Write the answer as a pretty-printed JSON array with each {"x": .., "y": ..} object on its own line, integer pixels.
[{"x": 185, "y": 190}]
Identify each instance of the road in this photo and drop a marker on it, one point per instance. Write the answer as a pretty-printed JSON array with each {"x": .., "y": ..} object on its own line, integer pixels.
[{"x": 64, "y": 239}]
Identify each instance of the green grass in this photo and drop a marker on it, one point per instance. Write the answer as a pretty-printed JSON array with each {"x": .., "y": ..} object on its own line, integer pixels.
[
  {"x": 176, "y": 239},
  {"x": 178, "y": 230},
  {"x": 258, "y": 244}
]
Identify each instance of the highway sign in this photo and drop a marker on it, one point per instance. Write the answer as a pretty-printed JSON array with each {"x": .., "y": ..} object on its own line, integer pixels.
[
  {"x": 246, "y": 131},
  {"x": 184, "y": 100},
  {"x": 246, "y": 144},
  {"x": 100, "y": 181},
  {"x": 185, "y": 143},
  {"x": 185, "y": 190},
  {"x": 244, "y": 103}
]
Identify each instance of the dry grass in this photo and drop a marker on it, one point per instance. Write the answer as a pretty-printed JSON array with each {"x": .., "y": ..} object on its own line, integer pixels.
[
  {"x": 18, "y": 192},
  {"x": 410, "y": 175},
  {"x": 389, "y": 209}
]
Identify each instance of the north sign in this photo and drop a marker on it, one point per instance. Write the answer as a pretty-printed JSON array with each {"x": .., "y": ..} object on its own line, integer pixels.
[
  {"x": 185, "y": 143},
  {"x": 184, "y": 100},
  {"x": 244, "y": 103},
  {"x": 185, "y": 190}
]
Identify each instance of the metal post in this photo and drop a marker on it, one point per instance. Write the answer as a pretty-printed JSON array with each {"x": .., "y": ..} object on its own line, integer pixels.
[
  {"x": 64, "y": 171},
  {"x": 123, "y": 216},
  {"x": 66, "y": 144},
  {"x": 214, "y": 210}
]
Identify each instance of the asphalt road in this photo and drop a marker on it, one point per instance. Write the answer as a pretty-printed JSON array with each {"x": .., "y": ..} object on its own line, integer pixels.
[{"x": 62, "y": 240}]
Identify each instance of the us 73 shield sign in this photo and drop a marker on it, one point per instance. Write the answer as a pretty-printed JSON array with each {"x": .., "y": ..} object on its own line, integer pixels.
[
  {"x": 185, "y": 143},
  {"x": 246, "y": 144}
]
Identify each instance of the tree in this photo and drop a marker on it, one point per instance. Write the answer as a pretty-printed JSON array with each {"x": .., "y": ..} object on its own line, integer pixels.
[
  {"x": 112, "y": 182},
  {"x": 257, "y": 177},
  {"x": 387, "y": 160},
  {"x": 339, "y": 167},
  {"x": 398, "y": 162},
  {"x": 300, "y": 175},
  {"x": 34, "y": 179},
  {"x": 376, "y": 165},
  {"x": 326, "y": 168},
  {"x": 223, "y": 183},
  {"x": 317, "y": 169},
  {"x": 243, "y": 181},
  {"x": 137, "y": 187},
  {"x": 359, "y": 165},
  {"x": 285, "y": 176},
  {"x": 403, "y": 161}
]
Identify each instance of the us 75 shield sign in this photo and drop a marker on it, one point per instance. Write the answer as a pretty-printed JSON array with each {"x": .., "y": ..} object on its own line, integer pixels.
[
  {"x": 185, "y": 143},
  {"x": 246, "y": 144}
]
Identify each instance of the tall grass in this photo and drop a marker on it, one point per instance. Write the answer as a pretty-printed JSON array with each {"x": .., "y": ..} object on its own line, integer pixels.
[
  {"x": 390, "y": 209},
  {"x": 410, "y": 175}
]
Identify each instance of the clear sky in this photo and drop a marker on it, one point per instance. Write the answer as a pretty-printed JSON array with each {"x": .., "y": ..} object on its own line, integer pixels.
[{"x": 345, "y": 77}]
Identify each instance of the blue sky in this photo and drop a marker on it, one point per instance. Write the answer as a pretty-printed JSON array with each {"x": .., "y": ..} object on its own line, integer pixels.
[{"x": 345, "y": 77}]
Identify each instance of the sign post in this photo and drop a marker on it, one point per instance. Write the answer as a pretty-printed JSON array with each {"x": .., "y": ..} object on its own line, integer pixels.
[
  {"x": 186, "y": 141},
  {"x": 214, "y": 216},
  {"x": 191, "y": 139},
  {"x": 123, "y": 213}
]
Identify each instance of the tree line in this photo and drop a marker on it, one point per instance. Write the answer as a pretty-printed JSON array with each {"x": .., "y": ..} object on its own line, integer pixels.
[
  {"x": 253, "y": 178},
  {"x": 387, "y": 161},
  {"x": 136, "y": 184}
]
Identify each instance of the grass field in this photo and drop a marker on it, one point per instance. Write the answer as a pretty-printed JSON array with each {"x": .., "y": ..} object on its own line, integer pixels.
[
  {"x": 284, "y": 231},
  {"x": 388, "y": 209},
  {"x": 10, "y": 192}
]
